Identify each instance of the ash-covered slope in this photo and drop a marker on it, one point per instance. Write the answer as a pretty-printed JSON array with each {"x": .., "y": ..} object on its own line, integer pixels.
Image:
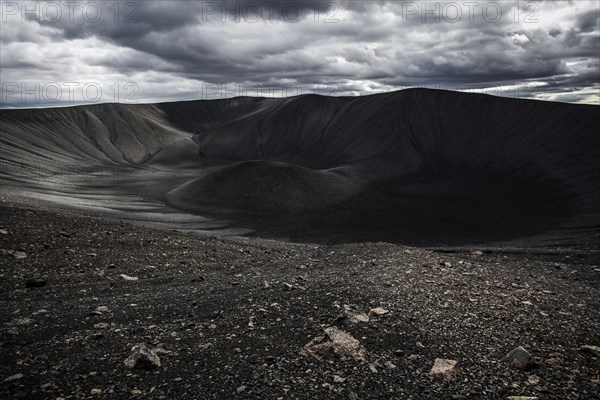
[
  {"x": 47, "y": 140},
  {"x": 415, "y": 162}
]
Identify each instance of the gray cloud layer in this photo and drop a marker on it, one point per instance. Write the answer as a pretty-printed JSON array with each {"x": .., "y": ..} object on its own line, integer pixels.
[{"x": 59, "y": 52}]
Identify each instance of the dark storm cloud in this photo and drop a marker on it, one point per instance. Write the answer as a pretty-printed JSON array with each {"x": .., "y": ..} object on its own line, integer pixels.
[
  {"x": 138, "y": 18},
  {"x": 588, "y": 22},
  {"x": 358, "y": 47}
]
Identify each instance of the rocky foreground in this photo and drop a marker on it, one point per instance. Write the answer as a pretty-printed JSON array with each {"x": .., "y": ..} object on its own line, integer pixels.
[{"x": 103, "y": 309}]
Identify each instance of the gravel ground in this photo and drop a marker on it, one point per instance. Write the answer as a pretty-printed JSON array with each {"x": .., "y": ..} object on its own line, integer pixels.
[{"x": 230, "y": 317}]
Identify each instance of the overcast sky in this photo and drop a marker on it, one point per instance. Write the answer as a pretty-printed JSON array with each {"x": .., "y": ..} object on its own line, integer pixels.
[{"x": 60, "y": 53}]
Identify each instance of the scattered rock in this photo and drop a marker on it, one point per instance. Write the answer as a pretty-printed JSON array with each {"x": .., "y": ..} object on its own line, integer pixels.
[
  {"x": 378, "y": 311},
  {"x": 35, "y": 282},
  {"x": 128, "y": 278},
  {"x": 96, "y": 392},
  {"x": 591, "y": 350},
  {"x": 335, "y": 345},
  {"x": 13, "y": 377},
  {"x": 477, "y": 252},
  {"x": 338, "y": 379},
  {"x": 521, "y": 398},
  {"x": 447, "y": 370},
  {"x": 101, "y": 310},
  {"x": 287, "y": 286},
  {"x": 136, "y": 392},
  {"x": 142, "y": 357},
  {"x": 353, "y": 315},
  {"x": 3, "y": 232},
  {"x": 519, "y": 358},
  {"x": 20, "y": 255},
  {"x": 23, "y": 321},
  {"x": 554, "y": 362},
  {"x": 102, "y": 325},
  {"x": 240, "y": 389},
  {"x": 533, "y": 380},
  {"x": 160, "y": 350}
]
